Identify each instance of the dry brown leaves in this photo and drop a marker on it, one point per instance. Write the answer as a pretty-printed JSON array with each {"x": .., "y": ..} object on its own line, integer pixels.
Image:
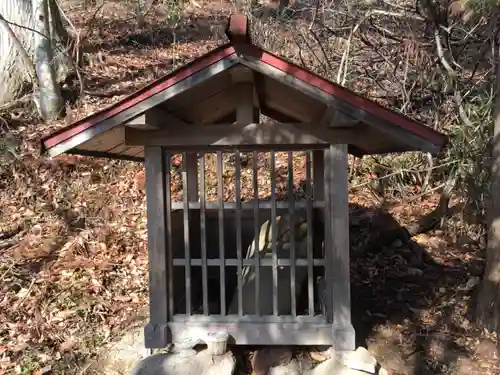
[
  {"x": 264, "y": 176},
  {"x": 77, "y": 272}
]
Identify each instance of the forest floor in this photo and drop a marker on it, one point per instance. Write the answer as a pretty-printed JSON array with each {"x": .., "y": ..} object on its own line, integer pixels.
[{"x": 73, "y": 259}]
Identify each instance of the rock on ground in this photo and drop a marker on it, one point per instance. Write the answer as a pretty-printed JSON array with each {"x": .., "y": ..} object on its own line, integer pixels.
[
  {"x": 120, "y": 357},
  {"x": 292, "y": 368},
  {"x": 360, "y": 359},
  {"x": 333, "y": 366},
  {"x": 358, "y": 362},
  {"x": 203, "y": 363},
  {"x": 129, "y": 356}
]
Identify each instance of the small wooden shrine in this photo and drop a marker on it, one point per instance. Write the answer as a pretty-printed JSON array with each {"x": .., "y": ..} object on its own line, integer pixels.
[{"x": 267, "y": 272}]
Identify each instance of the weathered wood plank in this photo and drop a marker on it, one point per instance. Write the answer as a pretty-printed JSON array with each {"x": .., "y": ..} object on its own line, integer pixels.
[
  {"x": 240, "y": 74},
  {"x": 203, "y": 233},
  {"x": 140, "y": 122},
  {"x": 268, "y": 134},
  {"x": 291, "y": 211},
  {"x": 156, "y": 332},
  {"x": 133, "y": 151},
  {"x": 192, "y": 175},
  {"x": 334, "y": 118},
  {"x": 239, "y": 247},
  {"x": 318, "y": 168},
  {"x": 264, "y": 262},
  {"x": 245, "y": 114},
  {"x": 184, "y": 102},
  {"x": 220, "y": 199},
  {"x": 186, "y": 219},
  {"x": 337, "y": 249},
  {"x": 253, "y": 333},
  {"x": 169, "y": 223},
  {"x": 120, "y": 148},
  {"x": 411, "y": 141},
  {"x": 291, "y": 102},
  {"x": 213, "y": 108},
  {"x": 234, "y": 318},
  {"x": 155, "y": 118},
  {"x": 309, "y": 244},
  {"x": 274, "y": 233},
  {"x": 185, "y": 85},
  {"x": 247, "y": 206},
  {"x": 256, "y": 229},
  {"x": 105, "y": 141}
]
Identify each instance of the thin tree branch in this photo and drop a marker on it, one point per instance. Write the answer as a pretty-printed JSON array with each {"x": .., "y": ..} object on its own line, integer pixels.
[
  {"x": 440, "y": 52},
  {"x": 22, "y": 27}
]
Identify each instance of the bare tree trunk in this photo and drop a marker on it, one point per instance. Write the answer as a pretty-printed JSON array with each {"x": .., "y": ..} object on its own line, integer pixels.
[
  {"x": 13, "y": 72},
  {"x": 488, "y": 312},
  {"x": 50, "y": 102},
  {"x": 19, "y": 15},
  {"x": 62, "y": 43}
]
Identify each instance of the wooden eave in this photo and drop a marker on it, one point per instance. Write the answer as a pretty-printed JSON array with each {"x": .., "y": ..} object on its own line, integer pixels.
[{"x": 201, "y": 93}]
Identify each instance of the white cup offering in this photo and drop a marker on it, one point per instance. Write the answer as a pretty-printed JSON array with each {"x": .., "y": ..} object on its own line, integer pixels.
[{"x": 217, "y": 342}]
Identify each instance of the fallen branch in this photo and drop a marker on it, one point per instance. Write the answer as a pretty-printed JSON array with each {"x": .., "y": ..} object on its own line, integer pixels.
[
  {"x": 11, "y": 233},
  {"x": 422, "y": 225},
  {"x": 108, "y": 94},
  {"x": 440, "y": 52},
  {"x": 16, "y": 103},
  {"x": 431, "y": 220},
  {"x": 7, "y": 244},
  {"x": 404, "y": 170}
]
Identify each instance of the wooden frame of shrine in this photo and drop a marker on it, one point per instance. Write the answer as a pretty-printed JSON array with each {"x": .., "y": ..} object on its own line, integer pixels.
[{"x": 214, "y": 104}]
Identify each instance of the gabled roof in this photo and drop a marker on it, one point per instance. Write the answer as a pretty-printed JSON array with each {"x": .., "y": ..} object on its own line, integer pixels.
[{"x": 201, "y": 92}]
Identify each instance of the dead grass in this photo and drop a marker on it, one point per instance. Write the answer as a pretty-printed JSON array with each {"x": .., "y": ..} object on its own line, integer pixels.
[{"x": 75, "y": 274}]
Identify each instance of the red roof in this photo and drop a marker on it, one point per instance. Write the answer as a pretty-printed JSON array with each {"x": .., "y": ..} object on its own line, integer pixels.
[{"x": 241, "y": 50}]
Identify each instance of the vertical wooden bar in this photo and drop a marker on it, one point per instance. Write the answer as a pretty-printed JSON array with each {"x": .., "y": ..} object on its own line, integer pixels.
[
  {"x": 309, "y": 219},
  {"x": 191, "y": 161},
  {"x": 243, "y": 82},
  {"x": 203, "y": 230},
  {"x": 329, "y": 255},
  {"x": 291, "y": 210},
  {"x": 220, "y": 183},
  {"x": 156, "y": 331},
  {"x": 238, "y": 231},
  {"x": 339, "y": 305},
  {"x": 318, "y": 193},
  {"x": 187, "y": 253},
  {"x": 274, "y": 231},
  {"x": 256, "y": 231},
  {"x": 170, "y": 251},
  {"x": 318, "y": 177},
  {"x": 244, "y": 95}
]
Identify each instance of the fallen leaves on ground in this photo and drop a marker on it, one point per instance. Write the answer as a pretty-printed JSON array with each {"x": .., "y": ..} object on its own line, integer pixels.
[{"x": 74, "y": 273}]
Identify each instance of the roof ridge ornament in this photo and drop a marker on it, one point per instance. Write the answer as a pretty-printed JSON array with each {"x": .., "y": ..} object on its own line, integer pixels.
[{"x": 238, "y": 29}]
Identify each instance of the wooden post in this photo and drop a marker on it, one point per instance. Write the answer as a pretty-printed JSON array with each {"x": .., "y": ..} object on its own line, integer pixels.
[
  {"x": 156, "y": 332},
  {"x": 318, "y": 178},
  {"x": 192, "y": 175},
  {"x": 337, "y": 246}
]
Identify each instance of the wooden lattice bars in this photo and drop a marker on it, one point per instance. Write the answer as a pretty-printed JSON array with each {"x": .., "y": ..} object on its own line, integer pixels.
[{"x": 247, "y": 266}]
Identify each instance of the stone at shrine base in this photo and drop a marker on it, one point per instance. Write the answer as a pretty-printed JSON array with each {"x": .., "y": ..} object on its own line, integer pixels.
[
  {"x": 356, "y": 362},
  {"x": 334, "y": 367},
  {"x": 203, "y": 363}
]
